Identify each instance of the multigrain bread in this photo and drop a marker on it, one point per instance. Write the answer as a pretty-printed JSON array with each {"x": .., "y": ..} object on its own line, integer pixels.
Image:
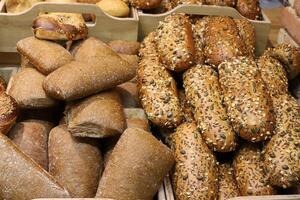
[
  {"x": 230, "y": 3},
  {"x": 249, "y": 8},
  {"x": 289, "y": 56},
  {"x": 26, "y": 87},
  {"x": 46, "y": 56},
  {"x": 274, "y": 75},
  {"x": 132, "y": 154},
  {"x": 185, "y": 107},
  {"x": 227, "y": 184},
  {"x": 222, "y": 41},
  {"x": 145, "y": 4},
  {"x": 60, "y": 26},
  {"x": 97, "y": 68},
  {"x": 281, "y": 153},
  {"x": 31, "y": 137},
  {"x": 195, "y": 172},
  {"x": 247, "y": 32},
  {"x": 175, "y": 42},
  {"x": 198, "y": 35},
  {"x": 249, "y": 173},
  {"x": 76, "y": 163},
  {"x": 125, "y": 46},
  {"x": 100, "y": 115},
  {"x": 249, "y": 105},
  {"x": 9, "y": 112},
  {"x": 203, "y": 91},
  {"x": 22, "y": 178},
  {"x": 157, "y": 88}
]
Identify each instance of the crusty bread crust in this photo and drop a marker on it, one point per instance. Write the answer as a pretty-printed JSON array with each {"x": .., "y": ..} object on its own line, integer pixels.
[
  {"x": 227, "y": 184},
  {"x": 249, "y": 8},
  {"x": 247, "y": 32},
  {"x": 145, "y": 4},
  {"x": 9, "y": 112}
]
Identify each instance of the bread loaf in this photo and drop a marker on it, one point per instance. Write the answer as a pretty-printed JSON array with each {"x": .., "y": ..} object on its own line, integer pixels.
[
  {"x": 203, "y": 91},
  {"x": 274, "y": 75},
  {"x": 76, "y": 163},
  {"x": 227, "y": 184},
  {"x": 247, "y": 33},
  {"x": 136, "y": 118},
  {"x": 222, "y": 40},
  {"x": 107, "y": 146},
  {"x": 2, "y": 84},
  {"x": 129, "y": 95},
  {"x": 116, "y": 8},
  {"x": 145, "y": 4},
  {"x": 25, "y": 62},
  {"x": 195, "y": 172},
  {"x": 131, "y": 59},
  {"x": 185, "y": 107},
  {"x": 142, "y": 178},
  {"x": 44, "y": 55},
  {"x": 125, "y": 46},
  {"x": 157, "y": 88},
  {"x": 9, "y": 112},
  {"x": 100, "y": 115},
  {"x": 281, "y": 153},
  {"x": 60, "y": 26},
  {"x": 26, "y": 87},
  {"x": 31, "y": 137},
  {"x": 248, "y": 104},
  {"x": 198, "y": 35},
  {"x": 249, "y": 8},
  {"x": 175, "y": 42},
  {"x": 230, "y": 3},
  {"x": 22, "y": 178},
  {"x": 249, "y": 173}
]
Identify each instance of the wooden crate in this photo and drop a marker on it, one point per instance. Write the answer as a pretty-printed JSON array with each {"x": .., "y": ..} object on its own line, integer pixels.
[
  {"x": 18, "y": 26},
  {"x": 149, "y": 22}
]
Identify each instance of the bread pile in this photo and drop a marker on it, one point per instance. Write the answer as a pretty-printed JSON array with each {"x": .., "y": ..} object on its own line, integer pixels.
[
  {"x": 80, "y": 122},
  {"x": 235, "y": 128}
]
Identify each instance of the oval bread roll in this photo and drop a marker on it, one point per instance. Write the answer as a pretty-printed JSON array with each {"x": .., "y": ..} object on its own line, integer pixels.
[
  {"x": 175, "y": 42},
  {"x": 247, "y": 32},
  {"x": 227, "y": 184},
  {"x": 248, "y": 104},
  {"x": 249, "y": 8},
  {"x": 195, "y": 173},
  {"x": 9, "y": 112},
  {"x": 204, "y": 94},
  {"x": 249, "y": 173},
  {"x": 116, "y": 8},
  {"x": 185, "y": 107},
  {"x": 282, "y": 152},
  {"x": 198, "y": 35},
  {"x": 157, "y": 88},
  {"x": 125, "y": 47},
  {"x": 145, "y": 4}
]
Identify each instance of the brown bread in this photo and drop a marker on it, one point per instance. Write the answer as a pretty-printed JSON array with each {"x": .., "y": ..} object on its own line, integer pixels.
[
  {"x": 249, "y": 172},
  {"x": 22, "y": 177},
  {"x": 222, "y": 40},
  {"x": 247, "y": 32},
  {"x": 125, "y": 47},
  {"x": 249, "y": 105},
  {"x": 203, "y": 91},
  {"x": 131, "y": 59},
  {"x": 198, "y": 36},
  {"x": 227, "y": 184},
  {"x": 76, "y": 163},
  {"x": 31, "y": 137},
  {"x": 9, "y": 112},
  {"x": 2, "y": 84},
  {"x": 249, "y": 8},
  {"x": 230, "y": 3},
  {"x": 185, "y": 107},
  {"x": 145, "y": 4},
  {"x": 46, "y": 56},
  {"x": 195, "y": 174},
  {"x": 186, "y": 2},
  {"x": 26, "y": 87},
  {"x": 129, "y": 95},
  {"x": 136, "y": 118},
  {"x": 175, "y": 42},
  {"x": 157, "y": 88},
  {"x": 17, "y": 6},
  {"x": 281, "y": 153}
]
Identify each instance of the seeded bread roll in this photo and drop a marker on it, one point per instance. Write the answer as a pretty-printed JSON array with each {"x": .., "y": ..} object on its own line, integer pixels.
[
  {"x": 230, "y": 3},
  {"x": 249, "y": 8},
  {"x": 100, "y": 115},
  {"x": 146, "y": 162},
  {"x": 289, "y": 56},
  {"x": 8, "y": 112},
  {"x": 175, "y": 42},
  {"x": 22, "y": 178},
  {"x": 26, "y": 87},
  {"x": 145, "y": 4},
  {"x": 247, "y": 32},
  {"x": 222, "y": 40},
  {"x": 185, "y": 107},
  {"x": 204, "y": 94},
  {"x": 195, "y": 172},
  {"x": 46, "y": 56},
  {"x": 281, "y": 157},
  {"x": 157, "y": 88},
  {"x": 60, "y": 26},
  {"x": 249, "y": 105},
  {"x": 274, "y": 75},
  {"x": 198, "y": 35},
  {"x": 31, "y": 137},
  {"x": 227, "y": 184},
  {"x": 249, "y": 172},
  {"x": 76, "y": 163},
  {"x": 125, "y": 47}
]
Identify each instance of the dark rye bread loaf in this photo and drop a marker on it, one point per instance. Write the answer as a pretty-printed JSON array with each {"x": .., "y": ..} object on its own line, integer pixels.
[
  {"x": 249, "y": 8},
  {"x": 282, "y": 152},
  {"x": 247, "y": 32},
  {"x": 9, "y": 112},
  {"x": 175, "y": 42},
  {"x": 227, "y": 184},
  {"x": 22, "y": 178},
  {"x": 249, "y": 173},
  {"x": 146, "y": 162},
  {"x": 248, "y": 104},
  {"x": 157, "y": 88},
  {"x": 195, "y": 172},
  {"x": 203, "y": 91}
]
